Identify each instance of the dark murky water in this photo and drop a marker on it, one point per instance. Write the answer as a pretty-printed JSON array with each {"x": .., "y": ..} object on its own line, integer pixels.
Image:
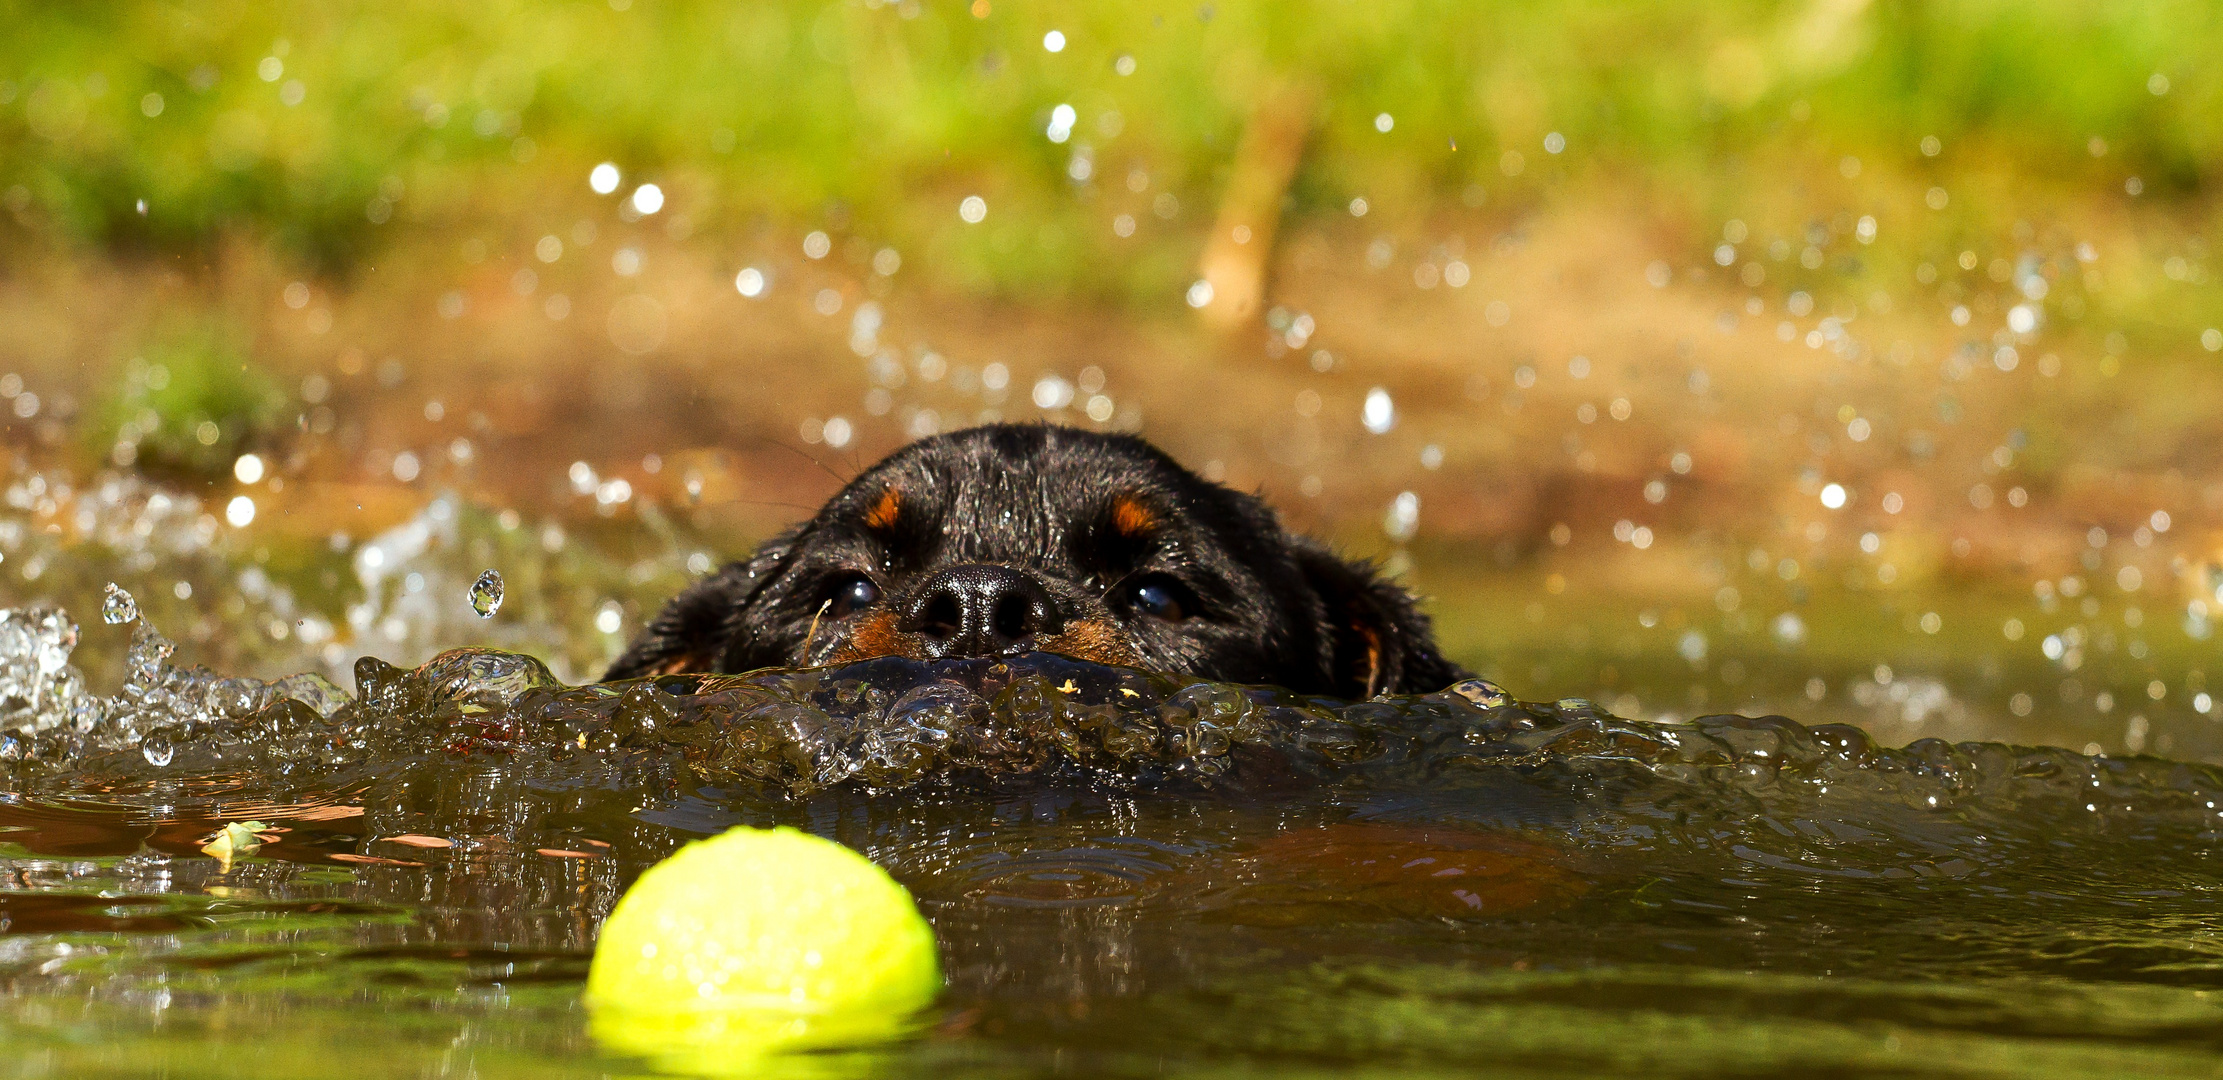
[{"x": 1128, "y": 874}]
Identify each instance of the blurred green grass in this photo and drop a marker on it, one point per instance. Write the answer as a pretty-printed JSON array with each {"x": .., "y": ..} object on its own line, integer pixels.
[
  {"x": 189, "y": 407},
  {"x": 337, "y": 131}
]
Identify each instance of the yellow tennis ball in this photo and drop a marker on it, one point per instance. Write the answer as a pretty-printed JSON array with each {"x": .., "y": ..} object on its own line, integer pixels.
[{"x": 757, "y": 941}]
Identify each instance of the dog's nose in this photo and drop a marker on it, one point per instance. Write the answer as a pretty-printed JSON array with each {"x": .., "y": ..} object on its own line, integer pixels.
[{"x": 981, "y": 610}]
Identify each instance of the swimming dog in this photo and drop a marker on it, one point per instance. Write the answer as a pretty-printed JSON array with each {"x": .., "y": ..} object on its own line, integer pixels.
[{"x": 1011, "y": 538}]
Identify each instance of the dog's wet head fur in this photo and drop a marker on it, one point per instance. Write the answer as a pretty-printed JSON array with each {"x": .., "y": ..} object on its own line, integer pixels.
[{"x": 1008, "y": 539}]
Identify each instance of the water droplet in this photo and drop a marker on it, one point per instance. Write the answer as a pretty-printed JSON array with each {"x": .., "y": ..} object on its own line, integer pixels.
[
  {"x": 118, "y": 607},
  {"x": 486, "y": 594},
  {"x": 1403, "y": 518},
  {"x": 158, "y": 749},
  {"x": 1379, "y": 413},
  {"x": 604, "y": 178}
]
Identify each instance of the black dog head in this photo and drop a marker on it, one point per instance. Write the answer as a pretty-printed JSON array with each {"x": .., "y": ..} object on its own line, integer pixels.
[{"x": 1009, "y": 539}]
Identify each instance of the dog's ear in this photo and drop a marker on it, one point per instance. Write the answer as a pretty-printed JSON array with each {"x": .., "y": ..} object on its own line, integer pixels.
[
  {"x": 695, "y": 630},
  {"x": 1379, "y": 640}
]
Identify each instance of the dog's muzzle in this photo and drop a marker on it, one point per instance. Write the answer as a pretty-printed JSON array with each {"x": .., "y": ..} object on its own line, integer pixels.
[{"x": 980, "y": 610}]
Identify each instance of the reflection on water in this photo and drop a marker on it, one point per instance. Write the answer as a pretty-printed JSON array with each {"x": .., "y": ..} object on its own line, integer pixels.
[{"x": 1127, "y": 872}]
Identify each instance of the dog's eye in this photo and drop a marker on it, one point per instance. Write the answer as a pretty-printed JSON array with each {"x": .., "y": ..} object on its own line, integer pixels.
[
  {"x": 1160, "y": 599},
  {"x": 851, "y": 594}
]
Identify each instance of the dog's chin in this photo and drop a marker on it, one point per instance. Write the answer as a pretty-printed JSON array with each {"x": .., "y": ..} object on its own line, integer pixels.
[{"x": 876, "y": 635}]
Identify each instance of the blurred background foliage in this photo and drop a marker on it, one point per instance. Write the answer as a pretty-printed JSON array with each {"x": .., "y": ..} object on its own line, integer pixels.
[
  {"x": 337, "y": 130},
  {"x": 190, "y": 406}
]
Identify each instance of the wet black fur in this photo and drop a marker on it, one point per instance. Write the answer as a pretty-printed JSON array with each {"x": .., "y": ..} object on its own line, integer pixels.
[{"x": 1265, "y": 606}]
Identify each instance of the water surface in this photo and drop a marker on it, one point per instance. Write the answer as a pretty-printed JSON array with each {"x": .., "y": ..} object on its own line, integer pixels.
[{"x": 1128, "y": 874}]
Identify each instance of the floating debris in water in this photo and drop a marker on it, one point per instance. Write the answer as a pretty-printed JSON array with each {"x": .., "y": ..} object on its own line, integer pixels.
[
  {"x": 486, "y": 594},
  {"x": 1481, "y": 692},
  {"x": 234, "y": 840},
  {"x": 118, "y": 607}
]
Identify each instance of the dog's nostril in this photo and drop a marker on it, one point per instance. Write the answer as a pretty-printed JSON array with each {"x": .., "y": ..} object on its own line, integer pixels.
[
  {"x": 980, "y": 610},
  {"x": 1013, "y": 617},
  {"x": 942, "y": 617}
]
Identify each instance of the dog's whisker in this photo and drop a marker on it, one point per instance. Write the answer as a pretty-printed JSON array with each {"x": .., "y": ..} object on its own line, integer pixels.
[
  {"x": 812, "y": 636},
  {"x": 813, "y": 459},
  {"x": 804, "y": 507}
]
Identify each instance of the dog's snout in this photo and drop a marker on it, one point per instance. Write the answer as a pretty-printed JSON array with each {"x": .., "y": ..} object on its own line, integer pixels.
[{"x": 981, "y": 610}]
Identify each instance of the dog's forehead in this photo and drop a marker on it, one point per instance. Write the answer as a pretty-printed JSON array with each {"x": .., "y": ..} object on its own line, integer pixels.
[
  {"x": 991, "y": 515},
  {"x": 1019, "y": 500},
  {"x": 993, "y": 508}
]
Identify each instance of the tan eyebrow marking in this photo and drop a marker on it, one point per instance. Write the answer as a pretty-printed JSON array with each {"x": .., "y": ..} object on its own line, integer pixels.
[
  {"x": 1092, "y": 639},
  {"x": 884, "y": 512},
  {"x": 875, "y": 634},
  {"x": 684, "y": 662},
  {"x": 1131, "y": 518}
]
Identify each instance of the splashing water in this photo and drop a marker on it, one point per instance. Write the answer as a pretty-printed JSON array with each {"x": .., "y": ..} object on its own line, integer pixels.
[
  {"x": 486, "y": 594},
  {"x": 892, "y": 723},
  {"x": 39, "y": 688},
  {"x": 52, "y": 718}
]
